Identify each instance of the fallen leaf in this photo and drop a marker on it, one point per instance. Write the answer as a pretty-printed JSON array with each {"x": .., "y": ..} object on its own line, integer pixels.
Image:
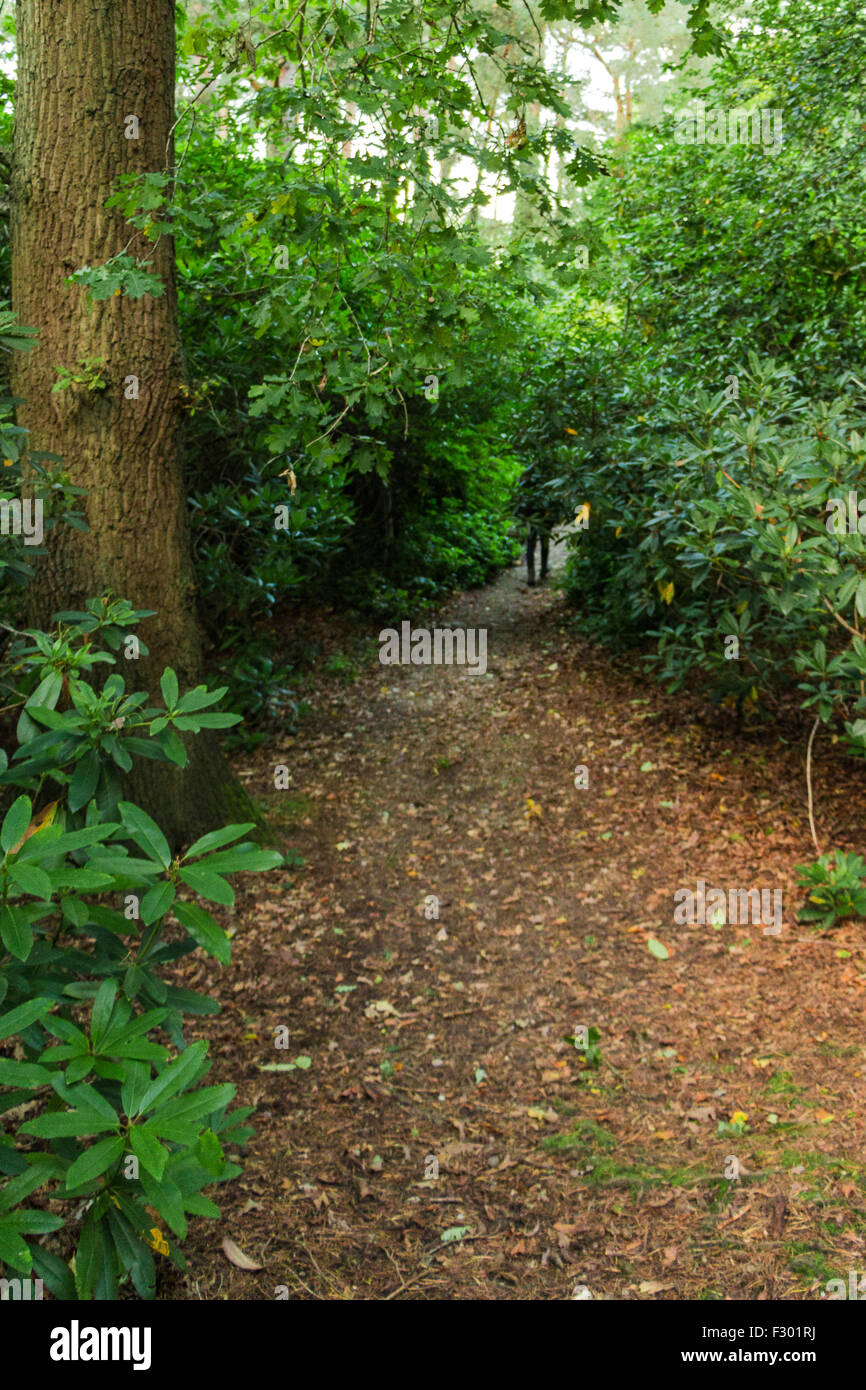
[
  {"x": 380, "y": 1008},
  {"x": 701, "y": 1112},
  {"x": 536, "y": 1113},
  {"x": 237, "y": 1257}
]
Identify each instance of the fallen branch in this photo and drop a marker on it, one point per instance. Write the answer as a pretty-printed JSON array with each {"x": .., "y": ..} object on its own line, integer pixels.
[{"x": 809, "y": 782}]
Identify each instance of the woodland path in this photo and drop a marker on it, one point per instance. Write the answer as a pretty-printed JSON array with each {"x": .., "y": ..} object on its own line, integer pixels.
[{"x": 446, "y": 1037}]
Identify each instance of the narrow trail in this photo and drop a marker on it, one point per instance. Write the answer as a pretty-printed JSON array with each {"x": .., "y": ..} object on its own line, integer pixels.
[{"x": 444, "y": 1039}]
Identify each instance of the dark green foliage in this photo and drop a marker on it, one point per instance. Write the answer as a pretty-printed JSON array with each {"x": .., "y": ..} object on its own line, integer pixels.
[
  {"x": 736, "y": 406},
  {"x": 101, "y": 1118},
  {"x": 835, "y": 889}
]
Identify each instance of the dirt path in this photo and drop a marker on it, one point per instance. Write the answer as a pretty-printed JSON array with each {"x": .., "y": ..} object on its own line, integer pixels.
[{"x": 437, "y": 1045}]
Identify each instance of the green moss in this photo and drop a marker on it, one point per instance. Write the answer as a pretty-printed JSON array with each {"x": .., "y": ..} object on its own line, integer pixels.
[
  {"x": 587, "y": 1136},
  {"x": 286, "y": 811}
]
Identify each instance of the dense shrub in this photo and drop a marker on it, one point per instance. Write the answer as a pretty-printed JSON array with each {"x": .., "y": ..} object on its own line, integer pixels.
[{"x": 103, "y": 1125}]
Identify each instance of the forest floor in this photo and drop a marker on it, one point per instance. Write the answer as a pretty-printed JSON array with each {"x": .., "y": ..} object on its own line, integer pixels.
[{"x": 444, "y": 1039}]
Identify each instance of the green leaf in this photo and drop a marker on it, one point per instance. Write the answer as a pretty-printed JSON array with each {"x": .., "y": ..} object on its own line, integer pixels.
[
  {"x": 15, "y": 931},
  {"x": 18, "y": 1189},
  {"x": 209, "y": 1152},
  {"x": 204, "y": 930},
  {"x": 121, "y": 273},
  {"x": 15, "y": 823},
  {"x": 133, "y": 1252},
  {"x": 167, "y": 1198},
  {"x": 103, "y": 1007},
  {"x": 89, "y": 1256},
  {"x": 242, "y": 859},
  {"x": 78, "y": 1068},
  {"x": 172, "y": 746},
  {"x": 34, "y": 1222},
  {"x": 21, "y": 1017},
  {"x": 74, "y": 911},
  {"x": 657, "y": 949},
  {"x": 194, "y": 722},
  {"x": 200, "y": 697},
  {"x": 55, "y": 1273},
  {"x": 69, "y": 1124},
  {"x": 199, "y": 1205},
  {"x": 135, "y": 1084},
  {"x": 454, "y": 1233},
  {"x": 84, "y": 780},
  {"x": 150, "y": 1153},
  {"x": 168, "y": 686},
  {"x": 63, "y": 842},
  {"x": 23, "y": 1073},
  {"x": 174, "y": 1077},
  {"x": 207, "y": 885},
  {"x": 145, "y": 832},
  {"x": 30, "y": 879},
  {"x": 94, "y": 1162},
  {"x": 216, "y": 838},
  {"x": 188, "y": 1108},
  {"x": 14, "y": 1250},
  {"x": 156, "y": 902}
]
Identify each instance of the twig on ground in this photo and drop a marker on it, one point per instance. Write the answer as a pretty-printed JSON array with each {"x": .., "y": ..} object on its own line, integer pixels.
[{"x": 809, "y": 782}]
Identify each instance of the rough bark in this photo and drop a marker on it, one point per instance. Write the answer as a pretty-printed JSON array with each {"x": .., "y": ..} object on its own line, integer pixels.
[{"x": 84, "y": 67}]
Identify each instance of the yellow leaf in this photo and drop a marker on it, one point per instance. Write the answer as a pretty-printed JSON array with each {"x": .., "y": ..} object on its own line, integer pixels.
[
  {"x": 824, "y": 1117},
  {"x": 666, "y": 591},
  {"x": 158, "y": 1241},
  {"x": 45, "y": 817}
]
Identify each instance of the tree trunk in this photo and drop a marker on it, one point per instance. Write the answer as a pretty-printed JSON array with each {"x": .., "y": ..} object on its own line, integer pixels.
[{"x": 84, "y": 67}]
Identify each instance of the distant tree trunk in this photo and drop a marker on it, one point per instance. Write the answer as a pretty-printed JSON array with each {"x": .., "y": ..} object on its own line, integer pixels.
[{"x": 84, "y": 67}]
